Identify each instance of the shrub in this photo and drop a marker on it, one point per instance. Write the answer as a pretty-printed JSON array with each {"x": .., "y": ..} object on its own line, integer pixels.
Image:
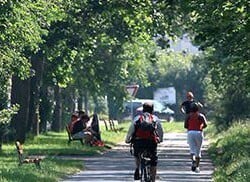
[
  {"x": 5, "y": 118},
  {"x": 231, "y": 154}
]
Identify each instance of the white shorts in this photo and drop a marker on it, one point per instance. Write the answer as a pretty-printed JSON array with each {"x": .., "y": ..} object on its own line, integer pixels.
[{"x": 195, "y": 139}]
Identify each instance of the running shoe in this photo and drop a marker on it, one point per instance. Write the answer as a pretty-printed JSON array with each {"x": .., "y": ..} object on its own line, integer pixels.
[
  {"x": 197, "y": 170},
  {"x": 193, "y": 167}
]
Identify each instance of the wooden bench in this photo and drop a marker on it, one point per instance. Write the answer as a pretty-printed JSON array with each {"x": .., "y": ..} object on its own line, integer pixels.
[
  {"x": 70, "y": 138},
  {"x": 27, "y": 159}
]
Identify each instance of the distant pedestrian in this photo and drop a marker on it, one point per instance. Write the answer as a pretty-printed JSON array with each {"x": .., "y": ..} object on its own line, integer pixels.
[
  {"x": 186, "y": 105},
  {"x": 195, "y": 123}
]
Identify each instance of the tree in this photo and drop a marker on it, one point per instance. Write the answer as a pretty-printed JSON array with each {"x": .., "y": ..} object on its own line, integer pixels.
[
  {"x": 91, "y": 34},
  {"x": 97, "y": 32},
  {"x": 23, "y": 25},
  {"x": 221, "y": 28}
]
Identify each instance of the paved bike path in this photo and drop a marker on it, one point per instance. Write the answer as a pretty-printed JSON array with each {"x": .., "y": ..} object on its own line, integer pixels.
[{"x": 173, "y": 165}]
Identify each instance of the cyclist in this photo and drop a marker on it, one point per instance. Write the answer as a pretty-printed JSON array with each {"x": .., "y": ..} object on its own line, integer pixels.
[
  {"x": 195, "y": 123},
  {"x": 142, "y": 142}
]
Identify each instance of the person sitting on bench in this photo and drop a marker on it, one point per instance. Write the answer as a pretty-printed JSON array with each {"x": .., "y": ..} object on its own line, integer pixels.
[
  {"x": 74, "y": 119},
  {"x": 79, "y": 127}
]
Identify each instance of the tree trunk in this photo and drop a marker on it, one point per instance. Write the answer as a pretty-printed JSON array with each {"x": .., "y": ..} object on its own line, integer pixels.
[
  {"x": 96, "y": 108},
  {"x": 110, "y": 106},
  {"x": 73, "y": 102},
  {"x": 45, "y": 108},
  {"x": 33, "y": 120},
  {"x": 114, "y": 106},
  {"x": 86, "y": 101},
  {"x": 20, "y": 94},
  {"x": 1, "y": 143},
  {"x": 80, "y": 101},
  {"x": 36, "y": 82},
  {"x": 57, "y": 116}
]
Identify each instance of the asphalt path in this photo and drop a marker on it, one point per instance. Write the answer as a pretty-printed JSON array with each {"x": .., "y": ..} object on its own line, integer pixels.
[{"x": 174, "y": 163}]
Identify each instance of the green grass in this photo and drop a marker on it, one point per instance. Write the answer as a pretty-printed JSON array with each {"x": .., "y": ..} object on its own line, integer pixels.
[
  {"x": 177, "y": 126},
  {"x": 52, "y": 145},
  {"x": 52, "y": 169},
  {"x": 231, "y": 154}
]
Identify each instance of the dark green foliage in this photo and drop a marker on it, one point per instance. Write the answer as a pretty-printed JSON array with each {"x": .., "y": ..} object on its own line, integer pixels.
[
  {"x": 5, "y": 118},
  {"x": 221, "y": 29},
  {"x": 95, "y": 48},
  {"x": 231, "y": 154}
]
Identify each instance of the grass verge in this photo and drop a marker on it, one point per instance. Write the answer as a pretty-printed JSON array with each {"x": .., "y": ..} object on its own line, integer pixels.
[
  {"x": 230, "y": 153},
  {"x": 177, "y": 127},
  {"x": 52, "y": 145}
]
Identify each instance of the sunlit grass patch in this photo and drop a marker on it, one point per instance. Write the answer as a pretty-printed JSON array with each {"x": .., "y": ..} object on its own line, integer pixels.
[
  {"x": 53, "y": 146},
  {"x": 176, "y": 126},
  {"x": 51, "y": 170}
]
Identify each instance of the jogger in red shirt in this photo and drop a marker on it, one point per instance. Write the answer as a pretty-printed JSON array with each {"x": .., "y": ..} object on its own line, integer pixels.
[{"x": 195, "y": 123}]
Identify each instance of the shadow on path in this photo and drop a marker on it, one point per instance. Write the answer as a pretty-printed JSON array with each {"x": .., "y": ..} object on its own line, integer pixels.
[{"x": 174, "y": 163}]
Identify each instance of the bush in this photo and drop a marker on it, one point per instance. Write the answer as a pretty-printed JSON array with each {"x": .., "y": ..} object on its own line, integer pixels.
[
  {"x": 231, "y": 154},
  {"x": 5, "y": 118}
]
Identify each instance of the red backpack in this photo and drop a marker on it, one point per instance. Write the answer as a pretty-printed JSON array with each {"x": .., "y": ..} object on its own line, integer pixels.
[{"x": 145, "y": 127}]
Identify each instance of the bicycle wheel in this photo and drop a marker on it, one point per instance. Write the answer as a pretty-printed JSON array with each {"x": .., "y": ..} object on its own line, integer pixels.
[
  {"x": 147, "y": 174},
  {"x": 145, "y": 167},
  {"x": 145, "y": 171}
]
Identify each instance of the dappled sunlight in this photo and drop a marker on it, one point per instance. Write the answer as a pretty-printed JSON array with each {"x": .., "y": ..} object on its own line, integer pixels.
[
  {"x": 173, "y": 165},
  {"x": 62, "y": 58}
]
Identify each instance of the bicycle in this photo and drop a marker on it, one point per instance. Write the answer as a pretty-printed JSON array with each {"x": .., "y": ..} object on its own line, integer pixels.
[{"x": 145, "y": 166}]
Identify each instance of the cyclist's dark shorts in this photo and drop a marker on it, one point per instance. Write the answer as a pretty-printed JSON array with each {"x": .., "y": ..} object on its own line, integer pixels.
[{"x": 151, "y": 146}]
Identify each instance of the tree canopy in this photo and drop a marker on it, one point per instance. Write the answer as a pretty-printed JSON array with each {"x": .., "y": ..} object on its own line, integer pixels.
[
  {"x": 222, "y": 29},
  {"x": 66, "y": 51}
]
